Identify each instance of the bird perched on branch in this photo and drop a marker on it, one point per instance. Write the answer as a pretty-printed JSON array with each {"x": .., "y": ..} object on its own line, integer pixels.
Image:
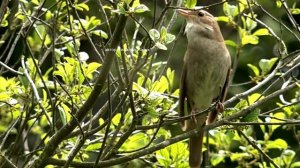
[{"x": 205, "y": 73}]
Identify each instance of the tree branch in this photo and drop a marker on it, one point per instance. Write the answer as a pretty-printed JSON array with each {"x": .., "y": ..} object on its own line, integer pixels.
[{"x": 82, "y": 112}]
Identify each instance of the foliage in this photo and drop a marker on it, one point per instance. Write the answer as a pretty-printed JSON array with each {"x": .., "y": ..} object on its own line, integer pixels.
[{"x": 86, "y": 83}]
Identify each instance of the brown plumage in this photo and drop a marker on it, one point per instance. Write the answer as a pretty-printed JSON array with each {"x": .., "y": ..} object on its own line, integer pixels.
[{"x": 205, "y": 69}]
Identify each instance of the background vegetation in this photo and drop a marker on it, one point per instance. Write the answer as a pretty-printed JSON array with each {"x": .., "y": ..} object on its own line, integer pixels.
[{"x": 95, "y": 84}]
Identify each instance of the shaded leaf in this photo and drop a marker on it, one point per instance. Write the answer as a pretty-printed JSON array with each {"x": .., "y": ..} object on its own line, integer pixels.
[
  {"x": 252, "y": 116},
  {"x": 266, "y": 65},
  {"x": 154, "y": 34}
]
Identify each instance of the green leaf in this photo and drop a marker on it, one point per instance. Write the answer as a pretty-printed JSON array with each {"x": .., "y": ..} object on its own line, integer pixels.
[
  {"x": 160, "y": 46},
  {"x": 35, "y": 2},
  {"x": 120, "y": 9},
  {"x": 141, "y": 8},
  {"x": 278, "y": 4},
  {"x": 254, "y": 98},
  {"x": 250, "y": 24},
  {"x": 223, "y": 19},
  {"x": 249, "y": 39},
  {"x": 216, "y": 159},
  {"x": 174, "y": 155},
  {"x": 266, "y": 65},
  {"x": 295, "y": 165},
  {"x": 288, "y": 155},
  {"x": 261, "y": 32},
  {"x": 93, "y": 147},
  {"x": 154, "y": 34},
  {"x": 163, "y": 34},
  {"x": 254, "y": 69},
  {"x": 62, "y": 114},
  {"x": 170, "y": 38},
  {"x": 48, "y": 15},
  {"x": 229, "y": 10},
  {"x": 92, "y": 67},
  {"x": 135, "y": 141},
  {"x": 190, "y": 4},
  {"x": 116, "y": 119},
  {"x": 239, "y": 156},
  {"x": 278, "y": 119},
  {"x": 252, "y": 116},
  {"x": 277, "y": 144},
  {"x": 170, "y": 76},
  {"x": 161, "y": 85},
  {"x": 129, "y": 1},
  {"x": 295, "y": 11},
  {"x": 230, "y": 43},
  {"x": 82, "y": 6},
  {"x": 100, "y": 33},
  {"x": 241, "y": 105}
]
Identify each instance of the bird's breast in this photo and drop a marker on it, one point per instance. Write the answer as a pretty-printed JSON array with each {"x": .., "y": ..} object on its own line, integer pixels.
[{"x": 207, "y": 66}]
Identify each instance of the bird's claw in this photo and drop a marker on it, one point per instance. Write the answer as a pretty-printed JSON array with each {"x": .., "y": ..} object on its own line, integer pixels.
[
  {"x": 194, "y": 117},
  {"x": 220, "y": 107}
]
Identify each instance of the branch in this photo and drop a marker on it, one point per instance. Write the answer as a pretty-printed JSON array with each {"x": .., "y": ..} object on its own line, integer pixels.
[
  {"x": 82, "y": 112},
  {"x": 175, "y": 139},
  {"x": 257, "y": 148}
]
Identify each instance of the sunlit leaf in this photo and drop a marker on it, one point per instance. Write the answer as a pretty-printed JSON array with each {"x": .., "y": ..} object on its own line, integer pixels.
[
  {"x": 223, "y": 19},
  {"x": 82, "y": 6},
  {"x": 190, "y": 3},
  {"x": 135, "y": 141},
  {"x": 277, "y": 144},
  {"x": 92, "y": 67},
  {"x": 93, "y": 147},
  {"x": 254, "y": 69},
  {"x": 35, "y": 2},
  {"x": 239, "y": 156},
  {"x": 100, "y": 33},
  {"x": 116, "y": 119},
  {"x": 249, "y": 39},
  {"x": 295, "y": 165},
  {"x": 278, "y": 4},
  {"x": 216, "y": 159},
  {"x": 174, "y": 155},
  {"x": 278, "y": 118},
  {"x": 261, "y": 32},
  {"x": 254, "y": 98},
  {"x": 163, "y": 34}
]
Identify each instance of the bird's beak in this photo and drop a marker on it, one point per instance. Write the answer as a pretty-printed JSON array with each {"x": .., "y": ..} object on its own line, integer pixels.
[{"x": 184, "y": 13}]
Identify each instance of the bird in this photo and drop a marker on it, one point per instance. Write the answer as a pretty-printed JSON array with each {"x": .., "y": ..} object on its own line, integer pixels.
[{"x": 204, "y": 78}]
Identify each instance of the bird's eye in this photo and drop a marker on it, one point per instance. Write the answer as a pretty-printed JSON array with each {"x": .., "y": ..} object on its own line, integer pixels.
[{"x": 200, "y": 14}]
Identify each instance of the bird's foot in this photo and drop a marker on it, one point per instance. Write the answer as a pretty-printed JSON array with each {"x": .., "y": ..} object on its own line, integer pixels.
[
  {"x": 220, "y": 107},
  {"x": 194, "y": 118}
]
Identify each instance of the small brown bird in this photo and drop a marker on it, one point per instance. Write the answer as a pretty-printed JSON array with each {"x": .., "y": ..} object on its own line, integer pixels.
[{"x": 205, "y": 71}]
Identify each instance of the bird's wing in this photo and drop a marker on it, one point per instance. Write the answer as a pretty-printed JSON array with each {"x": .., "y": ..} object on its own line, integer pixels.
[
  {"x": 214, "y": 113},
  {"x": 182, "y": 94},
  {"x": 225, "y": 87}
]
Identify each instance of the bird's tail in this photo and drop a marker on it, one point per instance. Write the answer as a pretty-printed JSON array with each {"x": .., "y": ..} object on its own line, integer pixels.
[{"x": 195, "y": 148}]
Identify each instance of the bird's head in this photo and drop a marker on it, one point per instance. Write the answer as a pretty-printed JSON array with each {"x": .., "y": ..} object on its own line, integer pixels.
[{"x": 201, "y": 23}]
